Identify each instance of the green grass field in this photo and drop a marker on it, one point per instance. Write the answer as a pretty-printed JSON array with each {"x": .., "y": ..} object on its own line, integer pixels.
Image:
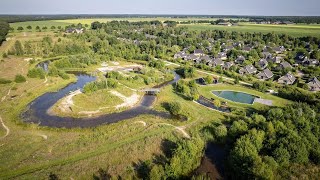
[
  {"x": 298, "y": 30},
  {"x": 41, "y": 24}
]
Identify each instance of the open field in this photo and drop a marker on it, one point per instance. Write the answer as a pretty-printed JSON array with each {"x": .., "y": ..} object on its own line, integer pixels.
[
  {"x": 298, "y": 30},
  {"x": 41, "y": 24}
]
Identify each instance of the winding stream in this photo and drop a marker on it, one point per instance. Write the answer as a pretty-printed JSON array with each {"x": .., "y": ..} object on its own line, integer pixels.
[{"x": 36, "y": 111}]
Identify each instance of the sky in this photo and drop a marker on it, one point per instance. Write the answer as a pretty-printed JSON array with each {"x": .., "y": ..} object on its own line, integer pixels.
[{"x": 193, "y": 7}]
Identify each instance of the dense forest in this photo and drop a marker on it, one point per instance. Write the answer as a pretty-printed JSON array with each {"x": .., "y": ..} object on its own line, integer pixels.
[
  {"x": 4, "y": 29},
  {"x": 271, "y": 145}
]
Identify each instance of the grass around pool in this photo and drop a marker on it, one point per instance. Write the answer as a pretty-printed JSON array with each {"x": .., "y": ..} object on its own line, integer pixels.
[{"x": 206, "y": 91}]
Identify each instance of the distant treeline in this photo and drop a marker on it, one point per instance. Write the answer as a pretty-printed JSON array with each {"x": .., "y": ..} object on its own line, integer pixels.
[
  {"x": 4, "y": 28},
  {"x": 295, "y": 19}
]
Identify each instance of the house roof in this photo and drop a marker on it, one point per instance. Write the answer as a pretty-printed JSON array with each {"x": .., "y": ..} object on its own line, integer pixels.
[
  {"x": 240, "y": 59},
  {"x": 247, "y": 48},
  {"x": 250, "y": 68},
  {"x": 266, "y": 73},
  {"x": 314, "y": 82},
  {"x": 218, "y": 61},
  {"x": 198, "y": 51},
  {"x": 150, "y": 36},
  {"x": 222, "y": 55},
  {"x": 263, "y": 62},
  {"x": 227, "y": 64},
  {"x": 267, "y": 54},
  {"x": 206, "y": 58},
  {"x": 285, "y": 64},
  {"x": 193, "y": 57},
  {"x": 289, "y": 77},
  {"x": 280, "y": 48}
]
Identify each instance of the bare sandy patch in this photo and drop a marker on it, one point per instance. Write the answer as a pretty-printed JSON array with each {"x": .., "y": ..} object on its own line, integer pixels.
[{"x": 128, "y": 101}]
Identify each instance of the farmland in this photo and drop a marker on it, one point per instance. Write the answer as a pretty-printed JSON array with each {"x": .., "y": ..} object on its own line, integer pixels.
[{"x": 299, "y": 30}]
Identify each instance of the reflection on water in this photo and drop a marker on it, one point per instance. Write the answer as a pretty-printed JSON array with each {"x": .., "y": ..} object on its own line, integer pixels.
[{"x": 235, "y": 96}]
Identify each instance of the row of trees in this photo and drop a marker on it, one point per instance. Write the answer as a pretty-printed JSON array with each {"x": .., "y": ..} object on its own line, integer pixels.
[{"x": 4, "y": 29}]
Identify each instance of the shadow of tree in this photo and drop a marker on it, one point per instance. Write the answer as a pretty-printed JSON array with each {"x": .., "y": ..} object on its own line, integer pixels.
[{"x": 102, "y": 175}]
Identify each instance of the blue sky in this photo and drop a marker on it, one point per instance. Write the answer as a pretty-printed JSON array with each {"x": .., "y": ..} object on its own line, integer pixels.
[{"x": 210, "y": 7}]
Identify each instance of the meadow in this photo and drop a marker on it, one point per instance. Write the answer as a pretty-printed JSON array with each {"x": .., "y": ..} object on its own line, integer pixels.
[{"x": 299, "y": 30}]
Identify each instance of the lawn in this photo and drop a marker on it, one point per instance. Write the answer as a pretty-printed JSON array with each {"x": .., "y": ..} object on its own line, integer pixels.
[
  {"x": 298, "y": 30},
  {"x": 206, "y": 91}
]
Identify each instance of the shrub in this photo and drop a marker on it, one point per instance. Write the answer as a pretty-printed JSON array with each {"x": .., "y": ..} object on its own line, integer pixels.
[
  {"x": 19, "y": 78},
  {"x": 217, "y": 103},
  {"x": 97, "y": 85},
  {"x": 63, "y": 75},
  {"x": 4, "y": 81},
  {"x": 114, "y": 75},
  {"x": 174, "y": 108},
  {"x": 36, "y": 73}
]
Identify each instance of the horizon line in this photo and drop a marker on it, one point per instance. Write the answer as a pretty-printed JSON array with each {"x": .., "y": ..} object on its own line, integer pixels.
[{"x": 146, "y": 14}]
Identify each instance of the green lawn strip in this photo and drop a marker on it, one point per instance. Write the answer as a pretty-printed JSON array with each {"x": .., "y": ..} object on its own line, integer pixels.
[{"x": 79, "y": 157}]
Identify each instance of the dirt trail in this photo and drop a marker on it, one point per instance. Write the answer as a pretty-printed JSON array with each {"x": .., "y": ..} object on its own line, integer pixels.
[
  {"x": 6, "y": 128},
  {"x": 178, "y": 128},
  {"x": 67, "y": 101},
  {"x": 4, "y": 97},
  {"x": 45, "y": 137},
  {"x": 142, "y": 122},
  {"x": 128, "y": 101}
]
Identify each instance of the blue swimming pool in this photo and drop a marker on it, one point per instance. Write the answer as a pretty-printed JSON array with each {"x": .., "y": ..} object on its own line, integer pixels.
[{"x": 239, "y": 97}]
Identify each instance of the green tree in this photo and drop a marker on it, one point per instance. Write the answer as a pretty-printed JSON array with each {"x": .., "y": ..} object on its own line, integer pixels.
[
  {"x": 19, "y": 78},
  {"x": 38, "y": 28},
  {"x": 236, "y": 80},
  {"x": 20, "y": 28},
  {"x": 217, "y": 103},
  {"x": 174, "y": 108},
  {"x": 208, "y": 79},
  {"x": 29, "y": 28},
  {"x": 18, "y": 48},
  {"x": 157, "y": 173}
]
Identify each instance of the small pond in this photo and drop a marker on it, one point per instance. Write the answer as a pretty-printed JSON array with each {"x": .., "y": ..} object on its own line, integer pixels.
[{"x": 239, "y": 97}]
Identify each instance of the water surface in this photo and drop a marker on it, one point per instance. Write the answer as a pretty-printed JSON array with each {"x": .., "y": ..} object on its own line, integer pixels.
[{"x": 239, "y": 97}]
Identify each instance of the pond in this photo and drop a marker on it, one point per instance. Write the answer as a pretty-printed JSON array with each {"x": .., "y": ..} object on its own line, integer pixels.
[{"x": 234, "y": 96}]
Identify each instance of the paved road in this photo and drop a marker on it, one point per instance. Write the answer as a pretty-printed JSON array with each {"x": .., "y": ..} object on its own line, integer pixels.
[{"x": 212, "y": 74}]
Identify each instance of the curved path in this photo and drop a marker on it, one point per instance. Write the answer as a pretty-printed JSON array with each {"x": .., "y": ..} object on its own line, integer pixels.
[
  {"x": 5, "y": 127},
  {"x": 37, "y": 111}
]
